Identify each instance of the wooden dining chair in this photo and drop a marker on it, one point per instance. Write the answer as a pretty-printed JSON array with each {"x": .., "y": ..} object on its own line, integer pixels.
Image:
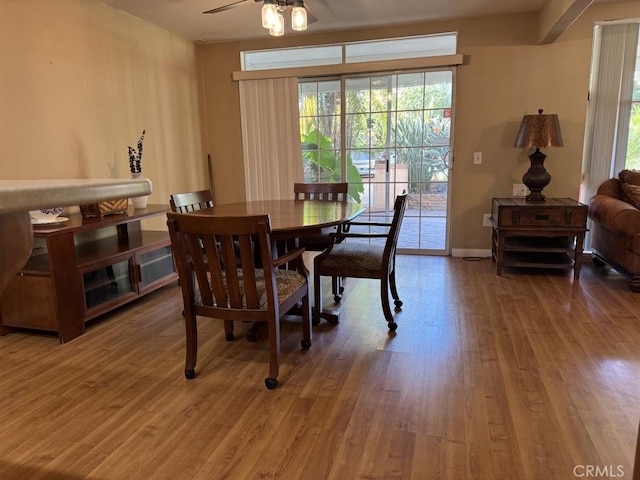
[
  {"x": 223, "y": 254},
  {"x": 185, "y": 202},
  {"x": 330, "y": 192},
  {"x": 190, "y": 201},
  {"x": 365, "y": 260},
  {"x": 327, "y": 192}
]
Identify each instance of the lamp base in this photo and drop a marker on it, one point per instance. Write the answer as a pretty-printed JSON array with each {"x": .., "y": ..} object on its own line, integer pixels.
[
  {"x": 537, "y": 177},
  {"x": 535, "y": 197}
]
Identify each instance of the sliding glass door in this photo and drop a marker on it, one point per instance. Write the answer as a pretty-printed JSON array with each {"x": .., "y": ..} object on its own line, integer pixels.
[{"x": 385, "y": 134}]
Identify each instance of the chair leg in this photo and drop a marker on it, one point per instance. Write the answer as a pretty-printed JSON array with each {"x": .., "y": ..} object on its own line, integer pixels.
[
  {"x": 307, "y": 332},
  {"x": 228, "y": 330},
  {"x": 394, "y": 291},
  {"x": 317, "y": 297},
  {"x": 191, "y": 329},
  {"x": 336, "y": 288},
  {"x": 274, "y": 354},
  {"x": 386, "y": 309}
]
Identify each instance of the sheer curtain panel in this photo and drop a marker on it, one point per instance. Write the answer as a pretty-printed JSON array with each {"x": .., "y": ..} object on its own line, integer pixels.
[
  {"x": 270, "y": 137},
  {"x": 609, "y": 108}
]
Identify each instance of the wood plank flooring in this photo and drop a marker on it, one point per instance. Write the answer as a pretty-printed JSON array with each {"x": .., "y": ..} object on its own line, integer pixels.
[{"x": 526, "y": 376}]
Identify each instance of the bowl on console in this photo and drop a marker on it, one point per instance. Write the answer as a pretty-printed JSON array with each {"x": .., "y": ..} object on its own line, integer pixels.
[{"x": 46, "y": 215}]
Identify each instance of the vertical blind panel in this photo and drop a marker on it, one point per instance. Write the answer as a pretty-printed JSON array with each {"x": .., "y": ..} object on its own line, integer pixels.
[{"x": 270, "y": 137}]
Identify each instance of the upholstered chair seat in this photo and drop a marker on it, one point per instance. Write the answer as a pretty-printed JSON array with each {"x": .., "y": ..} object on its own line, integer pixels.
[
  {"x": 357, "y": 257},
  {"x": 288, "y": 282}
]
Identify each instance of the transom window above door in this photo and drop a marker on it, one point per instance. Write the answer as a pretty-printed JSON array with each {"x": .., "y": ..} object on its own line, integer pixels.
[{"x": 369, "y": 51}]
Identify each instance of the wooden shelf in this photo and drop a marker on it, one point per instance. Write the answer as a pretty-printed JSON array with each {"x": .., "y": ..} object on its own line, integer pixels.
[
  {"x": 537, "y": 260},
  {"x": 539, "y": 244},
  {"x": 92, "y": 253},
  {"x": 76, "y": 279},
  {"x": 543, "y": 235}
]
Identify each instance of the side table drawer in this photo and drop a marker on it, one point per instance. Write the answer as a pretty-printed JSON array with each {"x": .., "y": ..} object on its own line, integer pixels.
[
  {"x": 513, "y": 216},
  {"x": 527, "y": 217},
  {"x": 539, "y": 216}
]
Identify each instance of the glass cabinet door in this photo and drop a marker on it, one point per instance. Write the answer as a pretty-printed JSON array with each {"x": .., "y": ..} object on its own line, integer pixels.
[
  {"x": 106, "y": 284},
  {"x": 154, "y": 265}
]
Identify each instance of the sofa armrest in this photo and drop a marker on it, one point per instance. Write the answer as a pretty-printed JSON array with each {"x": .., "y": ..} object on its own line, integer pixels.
[
  {"x": 614, "y": 214},
  {"x": 611, "y": 187}
]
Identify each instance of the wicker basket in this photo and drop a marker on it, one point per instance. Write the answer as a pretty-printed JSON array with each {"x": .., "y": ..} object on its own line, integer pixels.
[{"x": 103, "y": 209}]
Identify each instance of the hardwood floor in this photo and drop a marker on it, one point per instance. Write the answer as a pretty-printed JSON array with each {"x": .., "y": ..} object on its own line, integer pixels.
[{"x": 524, "y": 376}]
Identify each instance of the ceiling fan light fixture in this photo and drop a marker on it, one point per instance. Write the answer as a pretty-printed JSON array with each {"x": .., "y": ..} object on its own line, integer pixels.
[
  {"x": 277, "y": 29},
  {"x": 269, "y": 14},
  {"x": 298, "y": 16}
]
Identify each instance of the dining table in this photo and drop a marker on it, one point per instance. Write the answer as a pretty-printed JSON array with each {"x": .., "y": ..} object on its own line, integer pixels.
[
  {"x": 18, "y": 197},
  {"x": 291, "y": 220}
]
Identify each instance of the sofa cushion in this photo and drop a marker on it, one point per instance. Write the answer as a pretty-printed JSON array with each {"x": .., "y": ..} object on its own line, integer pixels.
[
  {"x": 629, "y": 176},
  {"x": 631, "y": 194}
]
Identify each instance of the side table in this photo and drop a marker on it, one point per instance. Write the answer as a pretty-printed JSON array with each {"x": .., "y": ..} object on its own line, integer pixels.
[{"x": 547, "y": 234}]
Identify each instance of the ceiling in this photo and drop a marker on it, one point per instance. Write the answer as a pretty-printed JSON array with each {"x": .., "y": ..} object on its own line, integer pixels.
[{"x": 185, "y": 17}]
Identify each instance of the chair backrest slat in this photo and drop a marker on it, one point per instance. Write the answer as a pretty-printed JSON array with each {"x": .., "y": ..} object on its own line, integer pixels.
[
  {"x": 330, "y": 192},
  {"x": 191, "y": 201},
  {"x": 214, "y": 269},
  {"x": 224, "y": 252}
]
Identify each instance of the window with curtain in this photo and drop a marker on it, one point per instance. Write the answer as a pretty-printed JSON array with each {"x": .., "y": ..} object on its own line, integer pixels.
[
  {"x": 633, "y": 141},
  {"x": 612, "y": 132},
  {"x": 613, "y": 114}
]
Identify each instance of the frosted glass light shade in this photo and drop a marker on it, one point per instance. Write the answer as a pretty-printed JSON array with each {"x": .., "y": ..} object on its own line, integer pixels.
[
  {"x": 277, "y": 29},
  {"x": 298, "y": 17},
  {"x": 269, "y": 14}
]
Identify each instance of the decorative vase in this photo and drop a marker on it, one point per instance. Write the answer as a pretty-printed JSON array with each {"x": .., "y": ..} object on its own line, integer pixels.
[{"x": 139, "y": 202}]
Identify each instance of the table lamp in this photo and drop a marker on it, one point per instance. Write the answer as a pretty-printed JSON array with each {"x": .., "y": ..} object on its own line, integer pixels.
[{"x": 537, "y": 131}]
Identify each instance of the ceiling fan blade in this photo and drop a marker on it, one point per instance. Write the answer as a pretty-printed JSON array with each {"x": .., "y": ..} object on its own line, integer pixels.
[{"x": 226, "y": 7}]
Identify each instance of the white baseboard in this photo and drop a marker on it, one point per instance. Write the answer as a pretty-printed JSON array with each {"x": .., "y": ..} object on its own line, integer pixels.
[{"x": 471, "y": 252}]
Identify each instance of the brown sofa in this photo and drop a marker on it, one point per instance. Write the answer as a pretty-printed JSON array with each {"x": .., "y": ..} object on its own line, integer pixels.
[{"x": 615, "y": 226}]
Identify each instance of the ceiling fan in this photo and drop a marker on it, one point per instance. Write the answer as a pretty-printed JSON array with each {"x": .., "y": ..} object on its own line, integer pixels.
[{"x": 272, "y": 14}]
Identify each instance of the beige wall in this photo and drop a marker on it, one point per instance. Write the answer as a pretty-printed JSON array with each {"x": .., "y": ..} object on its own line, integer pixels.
[
  {"x": 81, "y": 80},
  {"x": 507, "y": 75}
]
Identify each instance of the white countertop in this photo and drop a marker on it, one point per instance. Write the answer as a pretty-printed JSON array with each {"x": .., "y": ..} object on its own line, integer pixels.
[{"x": 25, "y": 195}]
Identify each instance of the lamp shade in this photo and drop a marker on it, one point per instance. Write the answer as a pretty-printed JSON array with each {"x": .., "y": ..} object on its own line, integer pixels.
[{"x": 539, "y": 131}]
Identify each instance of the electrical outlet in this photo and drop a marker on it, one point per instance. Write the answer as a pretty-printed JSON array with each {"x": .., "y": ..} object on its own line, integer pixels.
[
  {"x": 477, "y": 158},
  {"x": 486, "y": 219},
  {"x": 519, "y": 190}
]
